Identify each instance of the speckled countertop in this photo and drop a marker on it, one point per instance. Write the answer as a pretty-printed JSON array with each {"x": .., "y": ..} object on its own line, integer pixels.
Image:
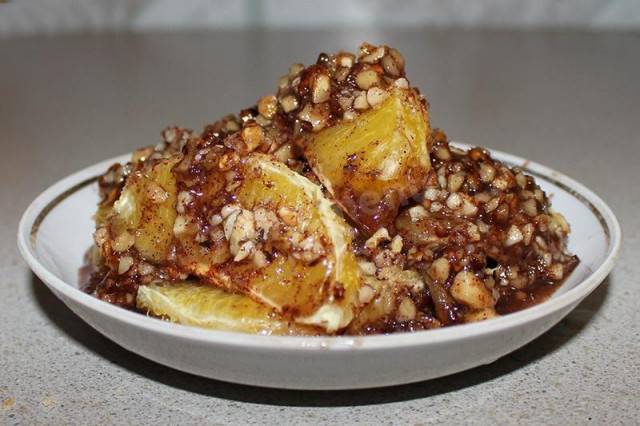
[{"x": 568, "y": 100}]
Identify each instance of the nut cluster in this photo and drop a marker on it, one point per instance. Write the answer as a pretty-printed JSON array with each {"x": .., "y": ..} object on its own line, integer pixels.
[
  {"x": 254, "y": 235},
  {"x": 485, "y": 229},
  {"x": 339, "y": 87}
]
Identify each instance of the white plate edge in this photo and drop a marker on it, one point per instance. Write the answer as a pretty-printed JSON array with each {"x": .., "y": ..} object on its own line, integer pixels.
[{"x": 574, "y": 295}]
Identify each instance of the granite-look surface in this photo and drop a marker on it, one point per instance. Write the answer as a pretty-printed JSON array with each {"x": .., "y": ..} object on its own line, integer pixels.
[{"x": 568, "y": 100}]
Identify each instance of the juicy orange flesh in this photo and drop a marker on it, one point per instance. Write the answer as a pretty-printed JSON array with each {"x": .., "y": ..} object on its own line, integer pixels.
[
  {"x": 150, "y": 222},
  {"x": 210, "y": 307},
  {"x": 286, "y": 283},
  {"x": 376, "y": 161}
]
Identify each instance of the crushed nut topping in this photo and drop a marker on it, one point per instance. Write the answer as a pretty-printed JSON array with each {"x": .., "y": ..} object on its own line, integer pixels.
[{"x": 478, "y": 240}]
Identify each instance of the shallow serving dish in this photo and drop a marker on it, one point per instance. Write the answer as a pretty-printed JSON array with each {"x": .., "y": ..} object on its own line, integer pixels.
[{"x": 56, "y": 231}]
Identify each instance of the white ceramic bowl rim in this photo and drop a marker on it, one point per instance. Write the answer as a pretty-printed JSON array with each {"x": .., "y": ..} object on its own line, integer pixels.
[{"x": 46, "y": 201}]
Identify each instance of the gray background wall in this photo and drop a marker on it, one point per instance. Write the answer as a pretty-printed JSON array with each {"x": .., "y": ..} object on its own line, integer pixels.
[{"x": 27, "y": 17}]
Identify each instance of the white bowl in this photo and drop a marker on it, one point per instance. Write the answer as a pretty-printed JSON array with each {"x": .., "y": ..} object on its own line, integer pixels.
[{"x": 56, "y": 230}]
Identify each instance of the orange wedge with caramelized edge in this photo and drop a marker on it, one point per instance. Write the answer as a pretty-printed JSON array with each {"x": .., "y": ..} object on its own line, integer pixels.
[
  {"x": 321, "y": 293},
  {"x": 144, "y": 214},
  {"x": 210, "y": 307},
  {"x": 373, "y": 163}
]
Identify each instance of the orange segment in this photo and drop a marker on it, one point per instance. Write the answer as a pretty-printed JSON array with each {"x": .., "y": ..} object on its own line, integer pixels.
[
  {"x": 321, "y": 290},
  {"x": 373, "y": 163},
  {"x": 210, "y": 307},
  {"x": 146, "y": 209}
]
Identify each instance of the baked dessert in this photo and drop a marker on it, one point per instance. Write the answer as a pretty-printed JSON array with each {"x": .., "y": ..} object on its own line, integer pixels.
[{"x": 330, "y": 207}]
